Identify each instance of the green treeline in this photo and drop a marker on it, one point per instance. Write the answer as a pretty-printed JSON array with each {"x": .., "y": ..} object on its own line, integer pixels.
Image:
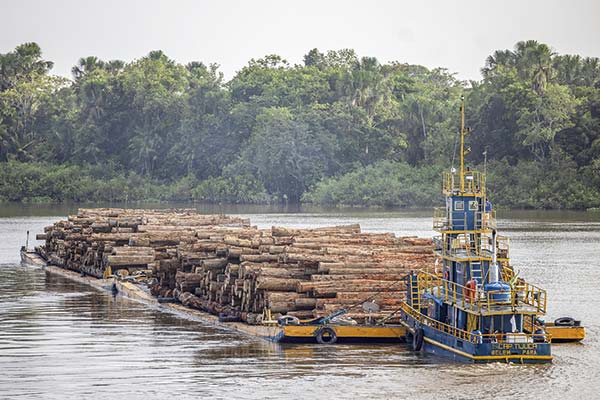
[{"x": 337, "y": 129}]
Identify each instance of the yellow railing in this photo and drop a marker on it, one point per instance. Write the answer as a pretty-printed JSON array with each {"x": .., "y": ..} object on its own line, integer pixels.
[
  {"x": 440, "y": 326},
  {"x": 474, "y": 182},
  {"x": 469, "y": 336},
  {"x": 463, "y": 246},
  {"x": 482, "y": 220},
  {"x": 522, "y": 293},
  {"x": 438, "y": 243},
  {"x": 531, "y": 295},
  {"x": 486, "y": 220},
  {"x": 503, "y": 245},
  {"x": 440, "y": 218},
  {"x": 507, "y": 274}
]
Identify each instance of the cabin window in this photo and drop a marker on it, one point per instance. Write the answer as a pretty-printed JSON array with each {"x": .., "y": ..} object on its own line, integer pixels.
[
  {"x": 459, "y": 205},
  {"x": 473, "y": 206}
]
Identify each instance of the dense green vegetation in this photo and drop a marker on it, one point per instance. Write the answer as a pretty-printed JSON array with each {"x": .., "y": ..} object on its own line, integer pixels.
[{"x": 338, "y": 129}]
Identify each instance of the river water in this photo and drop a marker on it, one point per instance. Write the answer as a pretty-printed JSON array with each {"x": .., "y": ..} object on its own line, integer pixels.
[{"x": 63, "y": 340}]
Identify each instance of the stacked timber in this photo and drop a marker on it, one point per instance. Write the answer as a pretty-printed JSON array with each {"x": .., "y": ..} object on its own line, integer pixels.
[
  {"x": 95, "y": 239},
  {"x": 223, "y": 265}
]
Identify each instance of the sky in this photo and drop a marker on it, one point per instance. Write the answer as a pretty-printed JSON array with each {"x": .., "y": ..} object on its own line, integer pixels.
[{"x": 457, "y": 35}]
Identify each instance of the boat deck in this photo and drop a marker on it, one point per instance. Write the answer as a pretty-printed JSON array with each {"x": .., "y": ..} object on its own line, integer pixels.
[{"x": 482, "y": 307}]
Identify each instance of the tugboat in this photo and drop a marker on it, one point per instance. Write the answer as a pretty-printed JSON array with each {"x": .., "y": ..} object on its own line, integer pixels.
[{"x": 472, "y": 307}]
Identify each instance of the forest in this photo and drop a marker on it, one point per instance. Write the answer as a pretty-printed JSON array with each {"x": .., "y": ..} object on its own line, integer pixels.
[{"x": 338, "y": 129}]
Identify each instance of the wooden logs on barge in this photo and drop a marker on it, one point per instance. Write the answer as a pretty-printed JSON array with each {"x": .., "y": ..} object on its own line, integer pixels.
[{"x": 223, "y": 265}]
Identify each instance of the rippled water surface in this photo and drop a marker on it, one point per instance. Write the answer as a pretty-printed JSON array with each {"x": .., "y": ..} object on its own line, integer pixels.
[{"x": 63, "y": 340}]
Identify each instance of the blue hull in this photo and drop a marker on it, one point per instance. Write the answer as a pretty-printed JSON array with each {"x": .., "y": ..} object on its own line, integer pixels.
[{"x": 446, "y": 345}]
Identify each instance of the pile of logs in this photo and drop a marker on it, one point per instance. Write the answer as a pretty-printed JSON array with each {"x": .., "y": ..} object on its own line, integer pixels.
[{"x": 223, "y": 265}]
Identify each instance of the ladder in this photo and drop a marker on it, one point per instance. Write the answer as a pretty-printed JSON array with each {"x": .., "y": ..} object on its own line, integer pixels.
[
  {"x": 476, "y": 273},
  {"x": 415, "y": 298}
]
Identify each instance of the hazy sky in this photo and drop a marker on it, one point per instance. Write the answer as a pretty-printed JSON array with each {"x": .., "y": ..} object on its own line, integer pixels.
[{"x": 458, "y": 35}]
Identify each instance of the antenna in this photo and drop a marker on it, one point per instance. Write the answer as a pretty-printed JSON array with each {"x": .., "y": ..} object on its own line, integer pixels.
[
  {"x": 484, "y": 175},
  {"x": 462, "y": 143}
]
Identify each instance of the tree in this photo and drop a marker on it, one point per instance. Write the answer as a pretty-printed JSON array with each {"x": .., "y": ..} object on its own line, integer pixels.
[
  {"x": 285, "y": 154},
  {"x": 155, "y": 85},
  {"x": 24, "y": 86},
  {"x": 550, "y": 114},
  {"x": 207, "y": 143},
  {"x": 24, "y": 63},
  {"x": 85, "y": 66}
]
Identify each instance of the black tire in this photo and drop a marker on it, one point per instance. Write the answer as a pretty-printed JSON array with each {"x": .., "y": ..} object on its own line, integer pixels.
[
  {"x": 564, "y": 321},
  {"x": 325, "y": 336},
  {"x": 417, "y": 342}
]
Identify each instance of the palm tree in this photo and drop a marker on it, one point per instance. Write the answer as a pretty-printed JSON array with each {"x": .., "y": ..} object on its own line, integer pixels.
[
  {"x": 590, "y": 70},
  {"x": 500, "y": 57},
  {"x": 366, "y": 85},
  {"x": 24, "y": 63},
  {"x": 568, "y": 69},
  {"x": 86, "y": 65},
  {"x": 115, "y": 66},
  {"x": 534, "y": 62}
]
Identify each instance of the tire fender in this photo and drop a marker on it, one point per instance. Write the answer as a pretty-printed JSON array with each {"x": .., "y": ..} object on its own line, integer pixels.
[
  {"x": 325, "y": 335},
  {"x": 417, "y": 342},
  {"x": 564, "y": 321}
]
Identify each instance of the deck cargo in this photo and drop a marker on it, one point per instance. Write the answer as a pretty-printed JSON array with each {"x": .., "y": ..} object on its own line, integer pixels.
[{"x": 225, "y": 266}]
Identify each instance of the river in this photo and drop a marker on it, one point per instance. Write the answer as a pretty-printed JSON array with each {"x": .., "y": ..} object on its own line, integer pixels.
[{"x": 63, "y": 340}]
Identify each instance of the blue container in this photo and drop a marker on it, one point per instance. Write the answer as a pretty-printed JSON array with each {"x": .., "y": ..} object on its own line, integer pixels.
[{"x": 501, "y": 291}]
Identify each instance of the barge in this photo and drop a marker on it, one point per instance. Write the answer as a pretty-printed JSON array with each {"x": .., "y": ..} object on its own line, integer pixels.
[{"x": 273, "y": 331}]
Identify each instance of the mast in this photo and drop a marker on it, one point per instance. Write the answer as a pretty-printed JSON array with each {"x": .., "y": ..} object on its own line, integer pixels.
[{"x": 462, "y": 144}]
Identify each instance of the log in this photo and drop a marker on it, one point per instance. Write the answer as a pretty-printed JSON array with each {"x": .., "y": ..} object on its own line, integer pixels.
[
  {"x": 301, "y": 315},
  {"x": 188, "y": 282},
  {"x": 259, "y": 258},
  {"x": 276, "y": 284},
  {"x": 129, "y": 260},
  {"x": 332, "y": 287},
  {"x": 355, "y": 277},
  {"x": 217, "y": 263}
]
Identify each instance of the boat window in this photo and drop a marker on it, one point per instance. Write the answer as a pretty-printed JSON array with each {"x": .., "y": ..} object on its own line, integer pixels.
[
  {"x": 473, "y": 206},
  {"x": 459, "y": 205}
]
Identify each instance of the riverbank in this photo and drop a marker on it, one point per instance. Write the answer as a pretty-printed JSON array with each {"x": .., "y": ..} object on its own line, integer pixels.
[{"x": 384, "y": 185}]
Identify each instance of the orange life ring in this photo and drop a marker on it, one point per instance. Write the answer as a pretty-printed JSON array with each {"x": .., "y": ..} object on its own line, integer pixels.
[
  {"x": 471, "y": 288},
  {"x": 446, "y": 274},
  {"x": 498, "y": 336}
]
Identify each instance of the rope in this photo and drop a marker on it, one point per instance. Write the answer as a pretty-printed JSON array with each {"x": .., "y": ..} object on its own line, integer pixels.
[
  {"x": 382, "y": 320},
  {"x": 377, "y": 293}
]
